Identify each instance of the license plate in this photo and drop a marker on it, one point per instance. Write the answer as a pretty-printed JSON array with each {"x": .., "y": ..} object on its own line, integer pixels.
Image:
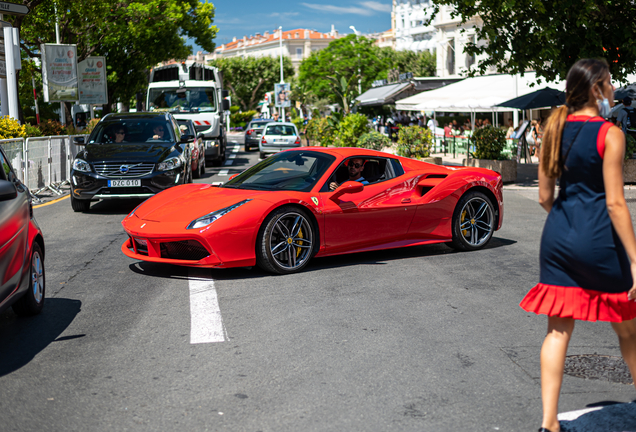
[
  {"x": 280, "y": 141},
  {"x": 124, "y": 183}
]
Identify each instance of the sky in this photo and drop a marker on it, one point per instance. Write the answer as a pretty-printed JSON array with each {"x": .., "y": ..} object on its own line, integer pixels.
[{"x": 247, "y": 17}]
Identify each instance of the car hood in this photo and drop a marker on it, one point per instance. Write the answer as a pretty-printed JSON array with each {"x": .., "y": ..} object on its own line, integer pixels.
[
  {"x": 189, "y": 202},
  {"x": 142, "y": 152}
]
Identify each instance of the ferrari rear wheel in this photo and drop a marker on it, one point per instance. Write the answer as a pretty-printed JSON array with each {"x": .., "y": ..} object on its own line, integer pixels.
[
  {"x": 473, "y": 222},
  {"x": 286, "y": 241}
]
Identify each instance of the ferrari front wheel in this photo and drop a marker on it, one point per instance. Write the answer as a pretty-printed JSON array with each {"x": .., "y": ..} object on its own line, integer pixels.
[
  {"x": 286, "y": 241},
  {"x": 473, "y": 222}
]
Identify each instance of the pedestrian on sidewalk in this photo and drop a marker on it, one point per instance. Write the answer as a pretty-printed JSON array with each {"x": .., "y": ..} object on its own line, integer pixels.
[{"x": 588, "y": 248}]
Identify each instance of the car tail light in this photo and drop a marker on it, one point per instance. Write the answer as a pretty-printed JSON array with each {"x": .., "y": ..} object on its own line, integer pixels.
[
  {"x": 263, "y": 140},
  {"x": 297, "y": 140},
  {"x": 249, "y": 132}
]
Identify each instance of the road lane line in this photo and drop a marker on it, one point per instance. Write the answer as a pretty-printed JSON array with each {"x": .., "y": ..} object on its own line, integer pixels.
[
  {"x": 206, "y": 324},
  {"x": 231, "y": 156},
  {"x": 229, "y": 161},
  {"x": 223, "y": 173},
  {"x": 51, "y": 202}
]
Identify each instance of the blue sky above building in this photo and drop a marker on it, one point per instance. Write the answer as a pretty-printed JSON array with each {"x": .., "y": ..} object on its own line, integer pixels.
[{"x": 248, "y": 17}]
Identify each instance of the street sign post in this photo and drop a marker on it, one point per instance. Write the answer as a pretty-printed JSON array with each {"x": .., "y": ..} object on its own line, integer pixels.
[{"x": 13, "y": 9}]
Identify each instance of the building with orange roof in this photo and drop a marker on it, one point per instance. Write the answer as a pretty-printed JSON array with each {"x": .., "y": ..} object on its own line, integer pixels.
[{"x": 298, "y": 44}]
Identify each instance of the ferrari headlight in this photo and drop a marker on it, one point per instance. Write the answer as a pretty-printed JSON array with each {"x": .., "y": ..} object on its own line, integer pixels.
[
  {"x": 211, "y": 217},
  {"x": 170, "y": 164},
  {"x": 81, "y": 165}
]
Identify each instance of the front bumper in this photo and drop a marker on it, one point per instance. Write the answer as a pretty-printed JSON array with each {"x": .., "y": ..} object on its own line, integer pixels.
[
  {"x": 91, "y": 186},
  {"x": 184, "y": 252}
]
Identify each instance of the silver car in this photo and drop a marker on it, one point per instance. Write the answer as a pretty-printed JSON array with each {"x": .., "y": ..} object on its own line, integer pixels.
[{"x": 277, "y": 137}]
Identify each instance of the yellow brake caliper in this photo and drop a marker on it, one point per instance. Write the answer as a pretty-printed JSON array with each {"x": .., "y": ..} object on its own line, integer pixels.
[
  {"x": 464, "y": 232},
  {"x": 300, "y": 242}
]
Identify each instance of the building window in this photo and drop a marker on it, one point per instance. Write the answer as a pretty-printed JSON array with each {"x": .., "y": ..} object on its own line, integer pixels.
[
  {"x": 450, "y": 57},
  {"x": 470, "y": 59},
  {"x": 299, "y": 53}
]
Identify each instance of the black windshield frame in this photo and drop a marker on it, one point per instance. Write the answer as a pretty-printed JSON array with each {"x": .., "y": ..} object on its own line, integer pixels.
[{"x": 297, "y": 181}]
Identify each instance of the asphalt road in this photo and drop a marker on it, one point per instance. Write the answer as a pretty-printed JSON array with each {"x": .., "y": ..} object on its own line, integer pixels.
[{"x": 414, "y": 339}]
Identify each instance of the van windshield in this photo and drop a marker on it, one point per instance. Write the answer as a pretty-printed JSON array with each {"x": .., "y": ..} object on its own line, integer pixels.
[{"x": 194, "y": 99}]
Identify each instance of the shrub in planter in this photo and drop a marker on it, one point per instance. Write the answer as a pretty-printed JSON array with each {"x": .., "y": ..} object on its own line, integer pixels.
[
  {"x": 489, "y": 143},
  {"x": 319, "y": 129},
  {"x": 10, "y": 128},
  {"x": 350, "y": 129},
  {"x": 414, "y": 142},
  {"x": 241, "y": 118},
  {"x": 32, "y": 131},
  {"x": 51, "y": 128},
  {"x": 374, "y": 141}
]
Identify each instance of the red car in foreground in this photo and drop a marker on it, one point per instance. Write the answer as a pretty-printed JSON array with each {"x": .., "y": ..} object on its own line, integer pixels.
[{"x": 281, "y": 212}]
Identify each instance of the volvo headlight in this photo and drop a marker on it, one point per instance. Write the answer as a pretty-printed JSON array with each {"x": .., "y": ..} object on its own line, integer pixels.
[
  {"x": 81, "y": 165},
  {"x": 170, "y": 164},
  {"x": 211, "y": 217}
]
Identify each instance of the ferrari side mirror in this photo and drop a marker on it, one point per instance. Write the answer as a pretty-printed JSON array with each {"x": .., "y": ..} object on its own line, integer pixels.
[{"x": 348, "y": 187}]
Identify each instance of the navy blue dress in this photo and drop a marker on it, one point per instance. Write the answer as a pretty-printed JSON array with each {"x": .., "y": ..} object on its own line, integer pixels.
[{"x": 585, "y": 271}]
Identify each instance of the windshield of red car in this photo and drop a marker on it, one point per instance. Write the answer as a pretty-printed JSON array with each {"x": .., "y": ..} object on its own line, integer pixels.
[{"x": 293, "y": 170}]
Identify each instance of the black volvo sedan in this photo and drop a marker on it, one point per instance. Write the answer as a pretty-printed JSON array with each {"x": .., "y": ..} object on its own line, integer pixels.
[{"x": 129, "y": 155}]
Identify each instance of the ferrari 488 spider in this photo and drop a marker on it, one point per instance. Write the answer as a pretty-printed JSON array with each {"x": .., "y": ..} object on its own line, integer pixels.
[{"x": 315, "y": 201}]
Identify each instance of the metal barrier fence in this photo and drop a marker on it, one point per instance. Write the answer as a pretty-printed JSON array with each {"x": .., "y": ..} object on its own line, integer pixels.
[
  {"x": 42, "y": 163},
  {"x": 459, "y": 145}
]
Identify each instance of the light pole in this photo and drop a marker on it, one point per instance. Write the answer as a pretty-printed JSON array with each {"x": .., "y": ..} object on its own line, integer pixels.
[
  {"x": 282, "y": 81},
  {"x": 359, "y": 72}
]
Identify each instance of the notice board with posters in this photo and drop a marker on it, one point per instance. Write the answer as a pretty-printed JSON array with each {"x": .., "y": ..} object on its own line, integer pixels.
[
  {"x": 59, "y": 72},
  {"x": 93, "y": 89}
]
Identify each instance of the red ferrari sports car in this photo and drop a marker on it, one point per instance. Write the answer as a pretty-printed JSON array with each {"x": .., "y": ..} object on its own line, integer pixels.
[{"x": 316, "y": 201}]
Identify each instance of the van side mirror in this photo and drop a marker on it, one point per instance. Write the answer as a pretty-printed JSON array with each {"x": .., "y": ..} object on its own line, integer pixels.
[
  {"x": 224, "y": 93},
  {"x": 226, "y": 105}
]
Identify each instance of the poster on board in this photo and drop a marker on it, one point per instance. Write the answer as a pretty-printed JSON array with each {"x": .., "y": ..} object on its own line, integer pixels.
[
  {"x": 92, "y": 85},
  {"x": 59, "y": 72},
  {"x": 281, "y": 94}
]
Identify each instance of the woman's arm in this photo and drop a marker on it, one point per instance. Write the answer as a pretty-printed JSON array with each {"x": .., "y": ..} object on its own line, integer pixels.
[
  {"x": 546, "y": 190},
  {"x": 615, "y": 198}
]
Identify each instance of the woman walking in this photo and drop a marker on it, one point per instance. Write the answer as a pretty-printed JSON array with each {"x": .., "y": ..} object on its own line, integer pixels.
[{"x": 588, "y": 248}]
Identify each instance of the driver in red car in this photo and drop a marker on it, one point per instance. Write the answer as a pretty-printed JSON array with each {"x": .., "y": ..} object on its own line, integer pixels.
[{"x": 355, "y": 167}]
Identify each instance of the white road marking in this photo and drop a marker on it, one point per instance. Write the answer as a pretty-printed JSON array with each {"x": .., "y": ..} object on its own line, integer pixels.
[
  {"x": 231, "y": 156},
  {"x": 206, "y": 324},
  {"x": 216, "y": 183},
  {"x": 229, "y": 161},
  {"x": 573, "y": 415},
  {"x": 236, "y": 149},
  {"x": 223, "y": 173}
]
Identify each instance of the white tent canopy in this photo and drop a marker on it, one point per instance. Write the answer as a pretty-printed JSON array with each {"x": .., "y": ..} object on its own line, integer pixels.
[{"x": 476, "y": 94}]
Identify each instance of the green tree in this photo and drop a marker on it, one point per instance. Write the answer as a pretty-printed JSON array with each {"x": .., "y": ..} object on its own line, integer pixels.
[
  {"x": 550, "y": 36},
  {"x": 422, "y": 64},
  {"x": 344, "y": 90},
  {"x": 133, "y": 35},
  {"x": 248, "y": 79},
  {"x": 345, "y": 56}
]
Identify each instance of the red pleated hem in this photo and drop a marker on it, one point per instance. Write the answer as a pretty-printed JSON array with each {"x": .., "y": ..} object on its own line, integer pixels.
[{"x": 579, "y": 303}]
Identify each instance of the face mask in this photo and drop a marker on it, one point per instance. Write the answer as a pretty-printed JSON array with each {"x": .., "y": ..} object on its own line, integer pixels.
[{"x": 603, "y": 108}]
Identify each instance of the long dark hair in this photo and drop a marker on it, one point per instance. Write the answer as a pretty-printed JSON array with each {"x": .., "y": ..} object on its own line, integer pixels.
[{"x": 584, "y": 75}]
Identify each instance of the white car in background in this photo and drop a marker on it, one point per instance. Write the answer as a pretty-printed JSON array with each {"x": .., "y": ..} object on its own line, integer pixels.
[{"x": 277, "y": 137}]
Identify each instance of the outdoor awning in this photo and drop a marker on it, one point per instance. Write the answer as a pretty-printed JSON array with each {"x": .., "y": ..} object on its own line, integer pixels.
[
  {"x": 481, "y": 93},
  {"x": 382, "y": 95}
]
